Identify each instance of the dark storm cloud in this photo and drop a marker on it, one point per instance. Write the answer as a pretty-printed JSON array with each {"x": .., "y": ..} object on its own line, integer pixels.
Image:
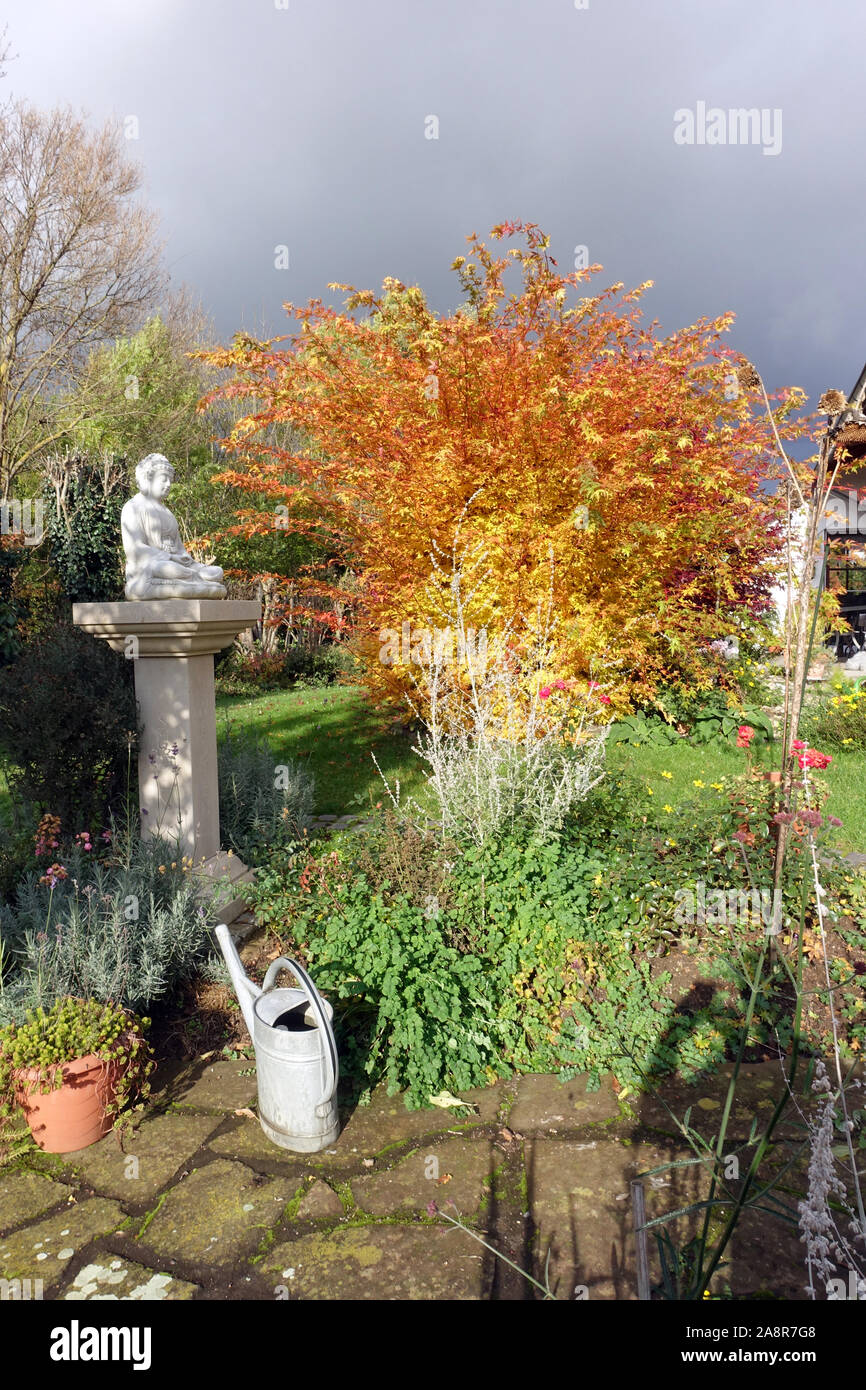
[{"x": 261, "y": 126}]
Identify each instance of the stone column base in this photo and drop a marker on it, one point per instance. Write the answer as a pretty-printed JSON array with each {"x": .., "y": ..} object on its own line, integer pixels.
[{"x": 222, "y": 880}]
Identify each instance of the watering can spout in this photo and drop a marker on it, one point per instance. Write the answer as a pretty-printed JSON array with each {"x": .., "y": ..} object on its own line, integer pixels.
[{"x": 245, "y": 990}]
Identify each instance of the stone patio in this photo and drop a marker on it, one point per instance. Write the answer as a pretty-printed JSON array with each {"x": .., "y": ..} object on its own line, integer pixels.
[{"x": 197, "y": 1204}]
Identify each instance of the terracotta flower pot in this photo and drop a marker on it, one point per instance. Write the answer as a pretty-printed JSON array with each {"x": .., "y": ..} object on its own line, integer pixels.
[{"x": 75, "y": 1115}]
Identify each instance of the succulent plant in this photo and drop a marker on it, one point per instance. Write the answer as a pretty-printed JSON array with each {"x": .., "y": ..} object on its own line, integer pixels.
[{"x": 47, "y": 1039}]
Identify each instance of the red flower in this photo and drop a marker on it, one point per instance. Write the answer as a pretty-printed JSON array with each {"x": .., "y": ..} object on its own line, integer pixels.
[
  {"x": 544, "y": 692},
  {"x": 745, "y": 734},
  {"x": 605, "y": 699},
  {"x": 812, "y": 758}
]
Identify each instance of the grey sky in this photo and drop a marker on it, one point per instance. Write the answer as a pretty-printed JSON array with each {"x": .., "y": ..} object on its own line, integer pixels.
[{"x": 305, "y": 126}]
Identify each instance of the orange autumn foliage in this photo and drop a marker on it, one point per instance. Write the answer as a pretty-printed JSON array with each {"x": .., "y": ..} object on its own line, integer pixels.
[{"x": 578, "y": 433}]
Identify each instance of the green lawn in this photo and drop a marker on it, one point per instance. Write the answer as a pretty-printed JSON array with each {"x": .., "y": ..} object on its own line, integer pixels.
[
  {"x": 846, "y": 777},
  {"x": 334, "y": 729}
]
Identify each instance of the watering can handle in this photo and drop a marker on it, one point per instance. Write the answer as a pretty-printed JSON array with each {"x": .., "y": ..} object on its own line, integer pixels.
[{"x": 315, "y": 1001}]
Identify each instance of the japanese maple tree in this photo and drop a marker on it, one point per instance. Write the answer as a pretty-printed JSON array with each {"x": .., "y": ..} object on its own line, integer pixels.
[{"x": 621, "y": 462}]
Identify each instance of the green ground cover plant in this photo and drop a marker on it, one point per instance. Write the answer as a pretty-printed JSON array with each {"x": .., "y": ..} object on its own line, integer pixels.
[{"x": 452, "y": 966}]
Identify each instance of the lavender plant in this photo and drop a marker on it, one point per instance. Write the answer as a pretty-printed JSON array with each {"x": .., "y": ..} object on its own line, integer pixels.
[{"x": 127, "y": 930}]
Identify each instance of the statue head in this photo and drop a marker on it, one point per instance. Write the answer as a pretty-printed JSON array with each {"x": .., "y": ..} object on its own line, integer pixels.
[{"x": 154, "y": 475}]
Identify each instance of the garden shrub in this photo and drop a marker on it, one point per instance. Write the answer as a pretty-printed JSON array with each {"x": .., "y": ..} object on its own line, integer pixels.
[
  {"x": 325, "y": 664},
  {"x": 251, "y": 669},
  {"x": 712, "y": 721},
  {"x": 299, "y": 664},
  {"x": 126, "y": 928},
  {"x": 11, "y": 559},
  {"x": 264, "y": 805},
  {"x": 68, "y": 727},
  {"x": 530, "y": 953},
  {"x": 840, "y": 720},
  {"x": 82, "y": 523}
]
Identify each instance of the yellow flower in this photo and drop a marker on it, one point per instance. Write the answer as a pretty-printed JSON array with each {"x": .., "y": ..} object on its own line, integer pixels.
[
  {"x": 667, "y": 774},
  {"x": 672, "y": 843},
  {"x": 847, "y": 740},
  {"x": 667, "y": 808},
  {"x": 650, "y": 790},
  {"x": 698, "y": 783},
  {"x": 717, "y": 786}
]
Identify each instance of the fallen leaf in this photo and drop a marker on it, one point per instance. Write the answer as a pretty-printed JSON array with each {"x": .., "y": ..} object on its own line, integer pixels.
[
  {"x": 368, "y": 1162},
  {"x": 249, "y": 1114},
  {"x": 446, "y": 1177},
  {"x": 445, "y": 1100}
]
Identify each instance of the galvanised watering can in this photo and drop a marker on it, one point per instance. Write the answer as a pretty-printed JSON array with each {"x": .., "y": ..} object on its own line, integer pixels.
[{"x": 296, "y": 1055}]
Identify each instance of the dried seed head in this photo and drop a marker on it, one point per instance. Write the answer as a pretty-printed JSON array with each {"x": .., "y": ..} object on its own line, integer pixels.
[
  {"x": 832, "y": 402},
  {"x": 747, "y": 377}
]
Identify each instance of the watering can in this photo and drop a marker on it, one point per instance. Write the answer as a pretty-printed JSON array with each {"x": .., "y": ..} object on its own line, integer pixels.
[{"x": 296, "y": 1055}]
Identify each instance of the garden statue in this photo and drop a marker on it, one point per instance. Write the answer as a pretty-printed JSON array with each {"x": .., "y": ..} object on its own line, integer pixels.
[{"x": 157, "y": 566}]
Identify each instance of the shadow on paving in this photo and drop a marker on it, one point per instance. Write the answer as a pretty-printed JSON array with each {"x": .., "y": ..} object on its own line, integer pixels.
[{"x": 197, "y": 1203}]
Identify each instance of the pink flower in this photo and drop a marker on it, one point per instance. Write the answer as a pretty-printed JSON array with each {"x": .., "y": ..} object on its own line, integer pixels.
[
  {"x": 544, "y": 692},
  {"x": 560, "y": 684},
  {"x": 812, "y": 758},
  {"x": 605, "y": 699},
  {"x": 833, "y": 820},
  {"x": 798, "y": 743},
  {"x": 745, "y": 734}
]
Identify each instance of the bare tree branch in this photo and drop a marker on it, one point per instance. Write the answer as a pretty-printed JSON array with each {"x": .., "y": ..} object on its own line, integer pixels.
[{"x": 79, "y": 265}]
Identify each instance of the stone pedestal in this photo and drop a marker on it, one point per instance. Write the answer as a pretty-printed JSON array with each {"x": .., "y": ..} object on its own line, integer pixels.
[{"x": 172, "y": 643}]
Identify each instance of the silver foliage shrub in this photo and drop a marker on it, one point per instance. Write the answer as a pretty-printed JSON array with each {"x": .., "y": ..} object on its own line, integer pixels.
[{"x": 127, "y": 931}]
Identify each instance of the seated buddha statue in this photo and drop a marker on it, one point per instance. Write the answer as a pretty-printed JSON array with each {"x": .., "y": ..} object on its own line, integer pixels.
[{"x": 157, "y": 565}]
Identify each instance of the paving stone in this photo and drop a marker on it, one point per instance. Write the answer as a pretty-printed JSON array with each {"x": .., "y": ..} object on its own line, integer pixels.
[
  {"x": 43, "y": 1251},
  {"x": 153, "y": 1154},
  {"x": 108, "y": 1277},
  {"x": 453, "y": 1170},
  {"x": 219, "y": 1086},
  {"x": 218, "y": 1214},
  {"x": 321, "y": 1204},
  {"x": 765, "y": 1256},
  {"x": 580, "y": 1203},
  {"x": 544, "y": 1103},
  {"x": 385, "y": 1123},
  {"x": 581, "y": 1207},
  {"x": 246, "y": 1140},
  {"x": 759, "y": 1086},
  {"x": 25, "y": 1195},
  {"x": 381, "y": 1263}
]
